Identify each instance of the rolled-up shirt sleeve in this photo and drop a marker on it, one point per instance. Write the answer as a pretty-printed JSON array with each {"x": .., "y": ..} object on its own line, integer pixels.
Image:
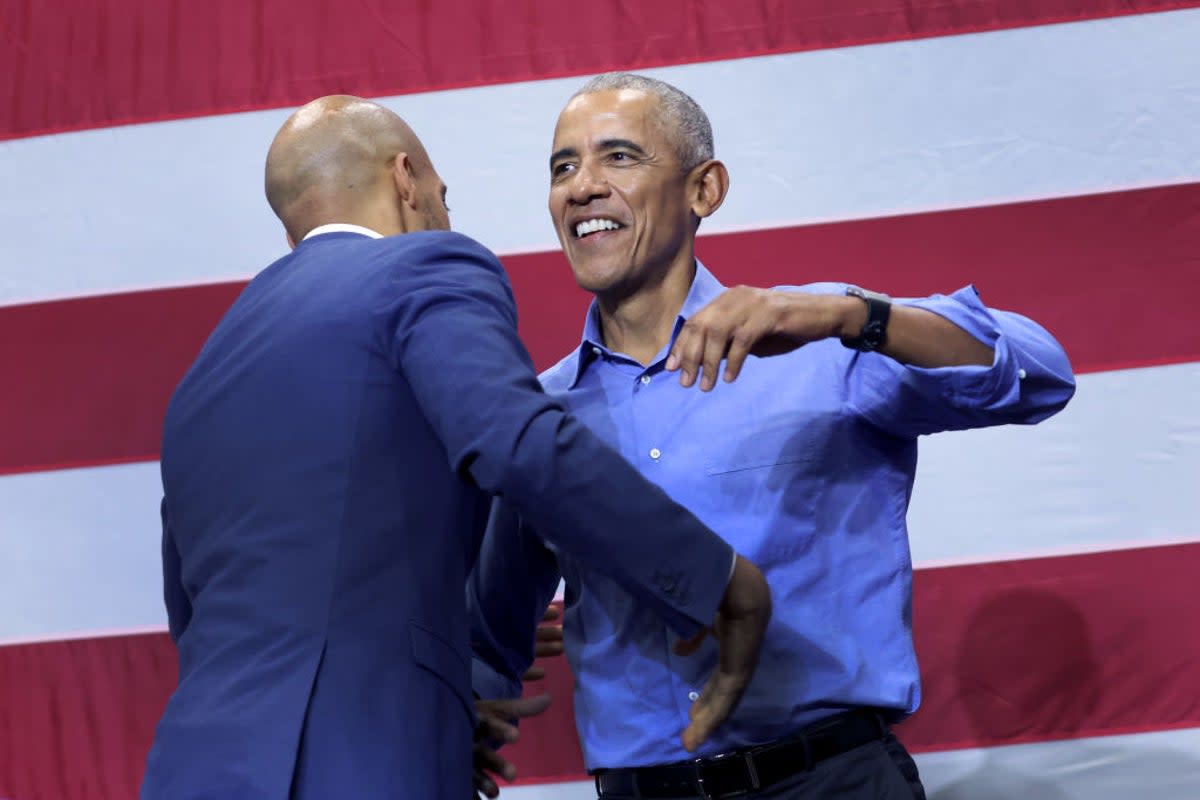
[{"x": 1029, "y": 379}]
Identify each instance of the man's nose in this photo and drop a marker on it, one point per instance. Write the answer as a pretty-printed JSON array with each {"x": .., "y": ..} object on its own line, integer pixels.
[{"x": 587, "y": 184}]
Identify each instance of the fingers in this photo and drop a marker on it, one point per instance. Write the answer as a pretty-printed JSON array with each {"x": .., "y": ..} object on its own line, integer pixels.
[
  {"x": 493, "y": 726},
  {"x": 513, "y": 709},
  {"x": 746, "y": 339},
  {"x": 533, "y": 674},
  {"x": 716, "y": 702},
  {"x": 488, "y": 760},
  {"x": 740, "y": 345},
  {"x": 486, "y": 785},
  {"x": 716, "y": 342},
  {"x": 495, "y": 729},
  {"x": 740, "y": 627},
  {"x": 704, "y": 716},
  {"x": 549, "y": 641},
  {"x": 715, "y": 333},
  {"x": 687, "y": 352}
]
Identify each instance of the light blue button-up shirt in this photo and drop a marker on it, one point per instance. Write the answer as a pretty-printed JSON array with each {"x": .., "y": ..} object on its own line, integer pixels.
[{"x": 805, "y": 465}]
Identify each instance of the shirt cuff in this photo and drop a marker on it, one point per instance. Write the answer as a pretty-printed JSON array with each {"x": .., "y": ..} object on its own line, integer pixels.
[{"x": 971, "y": 385}]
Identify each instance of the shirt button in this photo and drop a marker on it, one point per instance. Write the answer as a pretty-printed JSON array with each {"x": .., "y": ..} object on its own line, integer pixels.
[
  {"x": 1021, "y": 374},
  {"x": 597, "y": 351},
  {"x": 693, "y": 696},
  {"x": 655, "y": 453},
  {"x": 645, "y": 379}
]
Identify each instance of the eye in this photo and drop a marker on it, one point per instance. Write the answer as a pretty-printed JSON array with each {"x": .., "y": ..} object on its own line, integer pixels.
[{"x": 561, "y": 169}]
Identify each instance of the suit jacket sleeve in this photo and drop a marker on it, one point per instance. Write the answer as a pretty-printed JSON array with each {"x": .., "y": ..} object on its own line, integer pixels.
[
  {"x": 179, "y": 607},
  {"x": 514, "y": 579},
  {"x": 452, "y": 328}
]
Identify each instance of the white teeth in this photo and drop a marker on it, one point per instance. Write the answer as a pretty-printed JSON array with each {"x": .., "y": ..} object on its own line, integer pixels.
[{"x": 593, "y": 225}]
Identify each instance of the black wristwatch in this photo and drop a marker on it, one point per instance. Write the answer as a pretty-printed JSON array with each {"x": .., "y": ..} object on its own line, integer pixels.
[{"x": 874, "y": 331}]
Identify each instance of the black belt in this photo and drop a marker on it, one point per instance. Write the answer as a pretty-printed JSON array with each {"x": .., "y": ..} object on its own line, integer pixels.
[{"x": 744, "y": 771}]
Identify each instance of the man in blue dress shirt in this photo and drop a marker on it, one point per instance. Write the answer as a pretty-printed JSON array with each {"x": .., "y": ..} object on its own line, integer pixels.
[
  {"x": 328, "y": 462},
  {"x": 803, "y": 461}
]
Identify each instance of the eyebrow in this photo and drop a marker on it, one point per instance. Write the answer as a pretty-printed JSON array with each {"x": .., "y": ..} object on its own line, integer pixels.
[
  {"x": 561, "y": 153},
  {"x": 622, "y": 144},
  {"x": 604, "y": 144}
]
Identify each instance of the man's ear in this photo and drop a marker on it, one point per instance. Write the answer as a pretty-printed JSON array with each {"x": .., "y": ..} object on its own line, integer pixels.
[
  {"x": 404, "y": 180},
  {"x": 708, "y": 184}
]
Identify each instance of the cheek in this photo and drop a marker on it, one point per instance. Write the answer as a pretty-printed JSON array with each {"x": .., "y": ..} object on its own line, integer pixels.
[{"x": 556, "y": 202}]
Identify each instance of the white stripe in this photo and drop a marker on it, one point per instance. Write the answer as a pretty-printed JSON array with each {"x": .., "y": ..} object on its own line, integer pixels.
[
  {"x": 80, "y": 548},
  {"x": 575, "y": 790},
  {"x": 837, "y": 134},
  {"x": 1164, "y": 766},
  {"x": 80, "y": 552},
  {"x": 1118, "y": 467},
  {"x": 89, "y": 634}
]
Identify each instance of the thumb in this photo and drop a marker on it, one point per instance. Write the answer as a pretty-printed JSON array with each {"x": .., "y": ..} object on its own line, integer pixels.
[{"x": 714, "y": 705}]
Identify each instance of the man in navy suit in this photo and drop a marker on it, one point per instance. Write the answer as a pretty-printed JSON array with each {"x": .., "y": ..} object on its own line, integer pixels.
[{"x": 327, "y": 464}]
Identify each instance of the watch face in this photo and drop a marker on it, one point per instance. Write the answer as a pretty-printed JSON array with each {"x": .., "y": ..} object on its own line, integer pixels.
[{"x": 872, "y": 334}]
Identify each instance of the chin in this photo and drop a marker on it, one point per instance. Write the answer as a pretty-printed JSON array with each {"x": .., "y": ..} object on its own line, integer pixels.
[
  {"x": 596, "y": 281},
  {"x": 599, "y": 277}
]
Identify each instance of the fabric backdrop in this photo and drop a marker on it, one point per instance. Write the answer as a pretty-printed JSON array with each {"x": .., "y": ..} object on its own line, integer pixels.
[{"x": 1048, "y": 152}]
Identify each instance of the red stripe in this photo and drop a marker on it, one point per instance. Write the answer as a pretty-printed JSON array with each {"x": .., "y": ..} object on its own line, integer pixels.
[
  {"x": 75, "y": 64},
  {"x": 87, "y": 380},
  {"x": 77, "y": 717},
  {"x": 1020, "y": 651}
]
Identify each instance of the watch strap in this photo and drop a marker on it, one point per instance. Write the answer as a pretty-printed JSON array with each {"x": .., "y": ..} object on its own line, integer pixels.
[{"x": 874, "y": 330}]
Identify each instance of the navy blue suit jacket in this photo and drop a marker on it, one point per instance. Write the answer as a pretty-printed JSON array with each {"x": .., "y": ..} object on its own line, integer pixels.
[{"x": 327, "y": 463}]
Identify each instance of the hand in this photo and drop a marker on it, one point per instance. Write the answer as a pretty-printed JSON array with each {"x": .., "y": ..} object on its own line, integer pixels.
[
  {"x": 496, "y": 718},
  {"x": 741, "y": 622},
  {"x": 762, "y": 322},
  {"x": 549, "y": 642}
]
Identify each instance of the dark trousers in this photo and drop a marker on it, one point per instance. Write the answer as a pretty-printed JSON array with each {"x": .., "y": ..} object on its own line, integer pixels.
[{"x": 880, "y": 770}]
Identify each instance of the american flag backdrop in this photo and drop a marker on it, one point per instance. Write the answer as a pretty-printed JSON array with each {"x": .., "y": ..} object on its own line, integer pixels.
[{"x": 1047, "y": 151}]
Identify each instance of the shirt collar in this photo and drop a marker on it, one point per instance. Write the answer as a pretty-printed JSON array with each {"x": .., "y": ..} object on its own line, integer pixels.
[
  {"x": 342, "y": 227},
  {"x": 705, "y": 288}
]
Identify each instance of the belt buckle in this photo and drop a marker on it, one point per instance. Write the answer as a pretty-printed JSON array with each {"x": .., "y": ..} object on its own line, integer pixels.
[
  {"x": 751, "y": 770},
  {"x": 699, "y": 776}
]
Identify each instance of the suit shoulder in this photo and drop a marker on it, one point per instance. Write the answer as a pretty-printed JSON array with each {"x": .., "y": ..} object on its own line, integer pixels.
[{"x": 443, "y": 247}]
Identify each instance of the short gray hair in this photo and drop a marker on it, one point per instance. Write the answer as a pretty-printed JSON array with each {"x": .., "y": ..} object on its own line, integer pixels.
[{"x": 692, "y": 137}]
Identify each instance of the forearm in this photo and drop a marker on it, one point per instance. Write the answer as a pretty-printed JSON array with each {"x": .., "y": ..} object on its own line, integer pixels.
[
  {"x": 916, "y": 336},
  {"x": 1026, "y": 378}
]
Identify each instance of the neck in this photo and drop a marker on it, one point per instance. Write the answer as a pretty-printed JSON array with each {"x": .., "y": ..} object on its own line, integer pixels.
[
  {"x": 641, "y": 323},
  {"x": 377, "y": 220},
  {"x": 371, "y": 213}
]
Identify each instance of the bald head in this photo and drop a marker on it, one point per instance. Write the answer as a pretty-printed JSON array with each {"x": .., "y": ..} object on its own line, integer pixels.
[{"x": 334, "y": 161}]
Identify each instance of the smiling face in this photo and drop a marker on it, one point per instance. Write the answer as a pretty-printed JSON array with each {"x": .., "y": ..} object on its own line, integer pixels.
[{"x": 619, "y": 196}]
